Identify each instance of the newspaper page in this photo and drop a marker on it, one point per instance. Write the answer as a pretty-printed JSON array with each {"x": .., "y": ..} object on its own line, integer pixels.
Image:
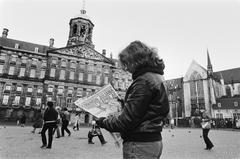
[{"x": 102, "y": 104}]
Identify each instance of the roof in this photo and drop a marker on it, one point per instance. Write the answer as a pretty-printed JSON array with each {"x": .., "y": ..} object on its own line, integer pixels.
[
  {"x": 27, "y": 46},
  {"x": 230, "y": 76}
]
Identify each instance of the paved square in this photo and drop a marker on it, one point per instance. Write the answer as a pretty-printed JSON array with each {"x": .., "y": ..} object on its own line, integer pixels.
[{"x": 20, "y": 143}]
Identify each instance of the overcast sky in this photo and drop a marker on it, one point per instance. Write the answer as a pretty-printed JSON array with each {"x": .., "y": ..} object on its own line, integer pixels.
[{"x": 181, "y": 30}]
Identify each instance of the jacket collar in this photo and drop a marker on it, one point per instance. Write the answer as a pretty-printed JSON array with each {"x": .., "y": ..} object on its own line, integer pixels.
[{"x": 144, "y": 70}]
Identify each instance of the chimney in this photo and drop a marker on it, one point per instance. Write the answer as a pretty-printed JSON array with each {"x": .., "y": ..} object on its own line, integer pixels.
[
  {"x": 104, "y": 52},
  {"x": 5, "y": 33},
  {"x": 51, "y": 42}
]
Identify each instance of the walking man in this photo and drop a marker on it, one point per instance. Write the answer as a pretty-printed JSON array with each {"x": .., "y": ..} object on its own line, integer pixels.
[{"x": 50, "y": 118}]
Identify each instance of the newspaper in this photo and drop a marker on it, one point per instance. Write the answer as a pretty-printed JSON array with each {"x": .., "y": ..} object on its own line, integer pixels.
[{"x": 103, "y": 103}]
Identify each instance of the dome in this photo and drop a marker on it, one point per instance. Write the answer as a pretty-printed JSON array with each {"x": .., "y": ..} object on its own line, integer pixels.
[{"x": 82, "y": 15}]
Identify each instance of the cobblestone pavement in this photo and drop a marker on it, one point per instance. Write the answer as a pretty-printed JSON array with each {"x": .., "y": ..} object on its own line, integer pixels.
[{"x": 20, "y": 143}]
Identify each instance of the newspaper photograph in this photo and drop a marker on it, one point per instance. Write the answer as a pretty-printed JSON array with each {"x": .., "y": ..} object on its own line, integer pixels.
[{"x": 103, "y": 103}]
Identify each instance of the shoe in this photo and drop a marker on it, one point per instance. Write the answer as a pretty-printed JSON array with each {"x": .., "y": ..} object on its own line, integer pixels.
[
  {"x": 48, "y": 147},
  {"x": 91, "y": 142},
  {"x": 43, "y": 146},
  {"x": 58, "y": 137},
  {"x": 69, "y": 134},
  {"x": 32, "y": 132},
  {"x": 104, "y": 142},
  {"x": 210, "y": 147}
]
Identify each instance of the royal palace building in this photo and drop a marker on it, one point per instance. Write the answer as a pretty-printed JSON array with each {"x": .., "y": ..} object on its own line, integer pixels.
[{"x": 31, "y": 74}]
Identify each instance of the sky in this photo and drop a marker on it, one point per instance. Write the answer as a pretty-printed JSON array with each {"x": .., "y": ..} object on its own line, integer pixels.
[{"x": 181, "y": 30}]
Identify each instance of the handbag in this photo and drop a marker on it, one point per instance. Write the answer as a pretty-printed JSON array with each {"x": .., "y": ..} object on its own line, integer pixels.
[{"x": 206, "y": 125}]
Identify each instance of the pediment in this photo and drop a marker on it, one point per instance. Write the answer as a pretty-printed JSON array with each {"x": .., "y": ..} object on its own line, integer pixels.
[
  {"x": 82, "y": 51},
  {"x": 195, "y": 68}
]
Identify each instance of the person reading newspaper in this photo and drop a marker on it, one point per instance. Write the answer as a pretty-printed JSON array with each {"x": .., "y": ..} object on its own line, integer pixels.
[{"x": 145, "y": 104}]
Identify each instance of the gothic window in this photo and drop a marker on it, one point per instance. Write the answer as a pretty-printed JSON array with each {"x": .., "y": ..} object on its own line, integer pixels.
[
  {"x": 80, "y": 78},
  {"x": 28, "y": 101},
  {"x": 52, "y": 72},
  {"x": 62, "y": 75},
  {"x": 5, "y": 99},
  {"x": 32, "y": 73},
  {"x": 11, "y": 70},
  {"x": 228, "y": 91},
  {"x": 1, "y": 69},
  {"x": 74, "y": 29}
]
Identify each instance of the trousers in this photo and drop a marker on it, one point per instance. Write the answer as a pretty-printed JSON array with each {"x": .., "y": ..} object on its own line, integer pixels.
[{"x": 142, "y": 150}]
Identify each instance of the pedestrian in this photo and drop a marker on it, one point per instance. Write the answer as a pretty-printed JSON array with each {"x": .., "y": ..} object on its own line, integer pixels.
[
  {"x": 172, "y": 123},
  {"x": 57, "y": 123},
  {"x": 23, "y": 120},
  {"x": 50, "y": 118},
  {"x": 65, "y": 121},
  {"x": 145, "y": 105},
  {"x": 95, "y": 131},
  {"x": 76, "y": 122},
  {"x": 206, "y": 126},
  {"x": 38, "y": 121}
]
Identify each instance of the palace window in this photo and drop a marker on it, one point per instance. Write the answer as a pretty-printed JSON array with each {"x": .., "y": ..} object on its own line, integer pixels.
[
  {"x": 98, "y": 79},
  {"x": 19, "y": 88},
  {"x": 22, "y": 72},
  {"x": 8, "y": 87},
  {"x": 17, "y": 46},
  {"x": 39, "y": 90},
  {"x": 36, "y": 49},
  {"x": 1, "y": 69},
  {"x": 32, "y": 73},
  {"x": 80, "y": 78},
  {"x": 28, "y": 101},
  {"x": 62, "y": 75},
  {"x": 219, "y": 115},
  {"x": 69, "y": 102},
  {"x": 52, "y": 72},
  {"x": 42, "y": 73},
  {"x": 228, "y": 91},
  {"x": 75, "y": 29},
  {"x": 82, "y": 66},
  {"x": 63, "y": 63},
  {"x": 3, "y": 57},
  {"x": 105, "y": 80},
  {"x": 79, "y": 92},
  {"x": 16, "y": 100},
  {"x": 54, "y": 61},
  {"x": 73, "y": 65},
  {"x": 71, "y": 76},
  {"x": 29, "y": 89},
  {"x": 44, "y": 64},
  {"x": 11, "y": 70},
  {"x": 60, "y": 90},
  {"x": 5, "y": 99},
  {"x": 235, "y": 104},
  {"x": 50, "y": 88},
  {"x": 14, "y": 59},
  {"x": 89, "y": 79},
  {"x": 38, "y": 101},
  {"x": 219, "y": 105}
]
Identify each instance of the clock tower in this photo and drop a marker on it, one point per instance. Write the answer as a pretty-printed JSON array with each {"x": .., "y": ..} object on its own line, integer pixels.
[{"x": 81, "y": 29}]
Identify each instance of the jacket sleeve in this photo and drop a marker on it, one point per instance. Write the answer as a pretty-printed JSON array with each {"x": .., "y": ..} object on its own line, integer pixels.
[{"x": 135, "y": 107}]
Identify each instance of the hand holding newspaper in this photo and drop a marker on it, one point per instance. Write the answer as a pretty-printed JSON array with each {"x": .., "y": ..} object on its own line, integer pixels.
[{"x": 102, "y": 104}]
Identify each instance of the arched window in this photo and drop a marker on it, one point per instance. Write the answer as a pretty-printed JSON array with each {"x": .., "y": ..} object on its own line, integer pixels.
[
  {"x": 74, "y": 29},
  {"x": 228, "y": 91}
]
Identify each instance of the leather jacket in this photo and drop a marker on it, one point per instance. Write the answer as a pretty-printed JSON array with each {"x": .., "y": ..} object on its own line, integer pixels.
[{"x": 145, "y": 107}]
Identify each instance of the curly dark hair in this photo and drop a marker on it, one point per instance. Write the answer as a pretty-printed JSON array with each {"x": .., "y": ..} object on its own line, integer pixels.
[{"x": 138, "y": 55}]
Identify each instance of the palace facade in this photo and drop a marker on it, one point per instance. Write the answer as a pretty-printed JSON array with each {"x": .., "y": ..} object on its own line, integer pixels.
[{"x": 31, "y": 74}]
